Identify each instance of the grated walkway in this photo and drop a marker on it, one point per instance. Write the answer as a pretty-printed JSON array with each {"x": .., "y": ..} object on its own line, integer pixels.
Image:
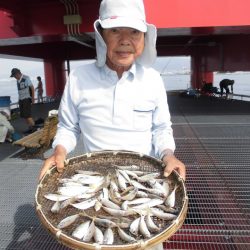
[{"x": 213, "y": 140}]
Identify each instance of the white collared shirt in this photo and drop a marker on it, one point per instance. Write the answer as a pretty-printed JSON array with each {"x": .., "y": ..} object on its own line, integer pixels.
[{"x": 130, "y": 113}]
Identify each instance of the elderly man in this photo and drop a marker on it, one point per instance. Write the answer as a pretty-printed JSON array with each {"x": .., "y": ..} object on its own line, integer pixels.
[{"x": 118, "y": 102}]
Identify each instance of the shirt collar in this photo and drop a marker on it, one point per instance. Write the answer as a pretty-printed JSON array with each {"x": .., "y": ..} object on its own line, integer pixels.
[{"x": 107, "y": 72}]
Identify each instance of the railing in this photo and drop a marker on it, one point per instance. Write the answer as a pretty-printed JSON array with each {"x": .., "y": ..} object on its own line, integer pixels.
[
  {"x": 241, "y": 97},
  {"x": 46, "y": 99}
]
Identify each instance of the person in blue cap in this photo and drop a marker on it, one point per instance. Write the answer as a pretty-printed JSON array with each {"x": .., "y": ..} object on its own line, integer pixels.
[{"x": 26, "y": 97}]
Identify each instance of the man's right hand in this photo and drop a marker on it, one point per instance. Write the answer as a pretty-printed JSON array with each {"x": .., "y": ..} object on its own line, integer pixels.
[{"x": 57, "y": 159}]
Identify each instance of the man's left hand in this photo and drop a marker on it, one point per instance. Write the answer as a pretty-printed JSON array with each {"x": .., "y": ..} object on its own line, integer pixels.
[{"x": 172, "y": 163}]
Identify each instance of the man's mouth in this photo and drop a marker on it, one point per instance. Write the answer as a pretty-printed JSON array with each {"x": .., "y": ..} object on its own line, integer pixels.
[{"x": 124, "y": 53}]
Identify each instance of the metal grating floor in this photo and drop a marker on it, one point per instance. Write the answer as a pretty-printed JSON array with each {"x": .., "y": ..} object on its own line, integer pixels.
[{"x": 216, "y": 150}]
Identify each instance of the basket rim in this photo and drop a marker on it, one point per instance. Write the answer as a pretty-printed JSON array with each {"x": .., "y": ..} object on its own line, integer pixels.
[{"x": 141, "y": 244}]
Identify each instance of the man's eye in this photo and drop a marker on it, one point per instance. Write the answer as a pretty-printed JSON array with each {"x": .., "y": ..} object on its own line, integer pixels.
[{"x": 136, "y": 32}]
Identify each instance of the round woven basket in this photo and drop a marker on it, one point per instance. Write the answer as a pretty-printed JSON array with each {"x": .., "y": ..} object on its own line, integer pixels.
[{"x": 104, "y": 162}]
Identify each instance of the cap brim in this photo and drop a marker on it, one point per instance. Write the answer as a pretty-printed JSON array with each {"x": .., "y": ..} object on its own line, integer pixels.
[{"x": 124, "y": 22}]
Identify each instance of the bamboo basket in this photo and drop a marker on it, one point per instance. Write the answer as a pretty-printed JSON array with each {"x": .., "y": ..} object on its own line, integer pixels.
[{"x": 104, "y": 162}]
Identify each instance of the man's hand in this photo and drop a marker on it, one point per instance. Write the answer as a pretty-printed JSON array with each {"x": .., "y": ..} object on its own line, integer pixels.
[
  {"x": 172, "y": 163},
  {"x": 57, "y": 159}
]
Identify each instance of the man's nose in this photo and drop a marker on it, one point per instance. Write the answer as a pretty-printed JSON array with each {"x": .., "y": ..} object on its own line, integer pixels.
[{"x": 125, "y": 39}]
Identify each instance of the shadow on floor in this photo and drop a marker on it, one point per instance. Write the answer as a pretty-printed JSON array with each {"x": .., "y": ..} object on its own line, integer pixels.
[{"x": 28, "y": 233}]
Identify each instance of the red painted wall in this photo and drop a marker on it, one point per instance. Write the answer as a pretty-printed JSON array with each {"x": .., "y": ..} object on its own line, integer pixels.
[
  {"x": 55, "y": 77},
  {"x": 47, "y": 18},
  {"x": 6, "y": 24},
  {"x": 197, "y": 13}
]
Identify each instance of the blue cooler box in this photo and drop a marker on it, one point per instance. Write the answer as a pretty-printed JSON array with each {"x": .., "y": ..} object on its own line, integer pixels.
[{"x": 5, "y": 104}]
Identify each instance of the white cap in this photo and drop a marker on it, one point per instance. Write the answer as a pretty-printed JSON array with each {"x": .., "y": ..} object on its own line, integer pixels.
[
  {"x": 122, "y": 13},
  {"x": 125, "y": 13}
]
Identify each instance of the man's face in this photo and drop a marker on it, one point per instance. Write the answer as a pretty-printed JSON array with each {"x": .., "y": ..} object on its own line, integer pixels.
[
  {"x": 17, "y": 75},
  {"x": 124, "y": 45}
]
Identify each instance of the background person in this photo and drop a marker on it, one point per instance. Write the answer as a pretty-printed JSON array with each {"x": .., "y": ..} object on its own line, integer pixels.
[
  {"x": 119, "y": 102},
  {"x": 26, "y": 97},
  {"x": 224, "y": 84},
  {"x": 39, "y": 89},
  {"x": 6, "y": 129}
]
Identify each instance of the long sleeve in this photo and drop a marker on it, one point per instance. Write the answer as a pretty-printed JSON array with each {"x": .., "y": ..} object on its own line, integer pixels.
[{"x": 68, "y": 130}]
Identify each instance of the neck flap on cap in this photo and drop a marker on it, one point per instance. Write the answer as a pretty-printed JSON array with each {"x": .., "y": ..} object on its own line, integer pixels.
[{"x": 125, "y": 13}]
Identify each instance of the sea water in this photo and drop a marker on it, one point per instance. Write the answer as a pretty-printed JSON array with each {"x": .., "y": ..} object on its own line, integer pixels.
[
  {"x": 172, "y": 81},
  {"x": 183, "y": 81}
]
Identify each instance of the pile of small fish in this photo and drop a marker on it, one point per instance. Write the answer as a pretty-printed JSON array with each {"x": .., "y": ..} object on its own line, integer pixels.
[{"x": 136, "y": 204}]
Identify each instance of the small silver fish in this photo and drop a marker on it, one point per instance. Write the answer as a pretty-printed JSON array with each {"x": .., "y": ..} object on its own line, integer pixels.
[
  {"x": 85, "y": 204},
  {"x": 103, "y": 222},
  {"x": 81, "y": 230},
  {"x": 56, "y": 197},
  {"x": 113, "y": 185},
  {"x": 68, "y": 202},
  {"x": 56, "y": 207},
  {"x": 165, "y": 186},
  {"x": 151, "y": 225},
  {"x": 150, "y": 203},
  {"x": 96, "y": 187},
  {"x": 90, "y": 232},
  {"x": 138, "y": 185},
  {"x": 114, "y": 196},
  {"x": 170, "y": 201},
  {"x": 157, "y": 192},
  {"x": 104, "y": 194},
  {"x": 98, "y": 205},
  {"x": 108, "y": 236},
  {"x": 168, "y": 209},
  {"x": 117, "y": 212},
  {"x": 148, "y": 177},
  {"x": 98, "y": 235},
  {"x": 121, "y": 222},
  {"x": 157, "y": 186},
  {"x": 67, "y": 221},
  {"x": 125, "y": 175},
  {"x": 88, "y": 179},
  {"x": 71, "y": 183},
  {"x": 109, "y": 204},
  {"x": 124, "y": 205},
  {"x": 72, "y": 190},
  {"x": 124, "y": 236},
  {"x": 131, "y": 173},
  {"x": 139, "y": 201},
  {"x": 121, "y": 181},
  {"x": 141, "y": 194},
  {"x": 143, "y": 228},
  {"x": 131, "y": 195},
  {"x": 134, "y": 227},
  {"x": 162, "y": 215}
]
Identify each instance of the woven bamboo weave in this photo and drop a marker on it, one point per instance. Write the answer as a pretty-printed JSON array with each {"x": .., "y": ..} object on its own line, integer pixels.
[{"x": 104, "y": 162}]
